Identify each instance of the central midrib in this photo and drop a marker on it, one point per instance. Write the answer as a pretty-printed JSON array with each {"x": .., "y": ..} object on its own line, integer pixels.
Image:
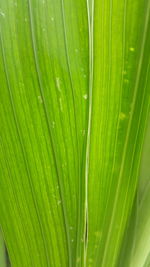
[{"x": 90, "y": 10}]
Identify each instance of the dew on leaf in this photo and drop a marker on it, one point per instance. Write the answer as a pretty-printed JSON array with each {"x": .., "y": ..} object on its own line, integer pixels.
[
  {"x": 53, "y": 124},
  {"x": 85, "y": 96},
  {"x": 132, "y": 49},
  {"x": 40, "y": 99},
  {"x": 2, "y": 13},
  {"x": 58, "y": 202},
  {"x": 58, "y": 83},
  {"x": 122, "y": 116}
]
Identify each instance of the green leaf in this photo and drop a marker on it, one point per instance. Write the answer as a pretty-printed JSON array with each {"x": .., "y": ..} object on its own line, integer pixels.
[
  {"x": 138, "y": 222},
  {"x": 137, "y": 242},
  {"x": 120, "y": 100},
  {"x": 74, "y": 102},
  {"x": 44, "y": 77}
]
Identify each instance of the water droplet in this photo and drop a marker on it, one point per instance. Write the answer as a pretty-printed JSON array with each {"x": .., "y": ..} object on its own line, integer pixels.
[
  {"x": 70, "y": 227},
  {"x": 76, "y": 50},
  {"x": 40, "y": 99},
  {"x": 85, "y": 96},
  {"x": 58, "y": 83},
  {"x": 2, "y": 13},
  {"x": 122, "y": 116},
  {"x": 53, "y": 124},
  {"x": 72, "y": 240},
  {"x": 132, "y": 49},
  {"x": 25, "y": 19},
  {"x": 58, "y": 202},
  {"x": 43, "y": 29},
  {"x": 52, "y": 18},
  {"x": 84, "y": 75}
]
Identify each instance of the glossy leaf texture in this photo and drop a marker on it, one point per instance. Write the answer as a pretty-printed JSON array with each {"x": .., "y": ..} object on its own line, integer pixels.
[
  {"x": 120, "y": 101},
  {"x": 44, "y": 90},
  {"x": 74, "y": 102}
]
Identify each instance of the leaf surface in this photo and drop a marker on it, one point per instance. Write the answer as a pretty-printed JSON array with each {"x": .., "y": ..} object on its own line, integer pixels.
[
  {"x": 44, "y": 90},
  {"x": 74, "y": 102},
  {"x": 120, "y": 101}
]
